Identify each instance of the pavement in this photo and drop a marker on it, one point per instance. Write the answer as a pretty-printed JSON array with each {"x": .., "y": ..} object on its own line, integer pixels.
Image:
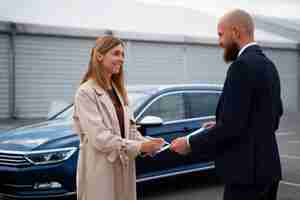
[
  {"x": 206, "y": 186},
  {"x": 202, "y": 186}
]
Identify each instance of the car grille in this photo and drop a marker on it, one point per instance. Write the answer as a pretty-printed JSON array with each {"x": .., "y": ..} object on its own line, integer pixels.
[
  {"x": 2, "y": 197},
  {"x": 13, "y": 159}
]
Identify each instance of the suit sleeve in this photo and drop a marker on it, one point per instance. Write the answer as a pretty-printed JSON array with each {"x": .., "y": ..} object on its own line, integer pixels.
[
  {"x": 101, "y": 137},
  {"x": 235, "y": 111}
]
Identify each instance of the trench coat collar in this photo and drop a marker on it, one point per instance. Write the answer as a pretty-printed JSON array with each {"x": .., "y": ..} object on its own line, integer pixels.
[{"x": 101, "y": 92}]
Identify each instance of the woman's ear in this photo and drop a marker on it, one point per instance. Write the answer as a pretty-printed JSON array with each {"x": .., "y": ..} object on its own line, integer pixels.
[{"x": 99, "y": 57}]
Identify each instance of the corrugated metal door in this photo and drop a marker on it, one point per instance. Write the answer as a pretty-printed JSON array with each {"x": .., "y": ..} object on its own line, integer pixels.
[
  {"x": 4, "y": 75},
  {"x": 47, "y": 69},
  {"x": 205, "y": 64},
  {"x": 155, "y": 63},
  {"x": 287, "y": 63}
]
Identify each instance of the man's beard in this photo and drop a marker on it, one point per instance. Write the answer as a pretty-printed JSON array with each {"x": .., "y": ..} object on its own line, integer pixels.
[{"x": 231, "y": 52}]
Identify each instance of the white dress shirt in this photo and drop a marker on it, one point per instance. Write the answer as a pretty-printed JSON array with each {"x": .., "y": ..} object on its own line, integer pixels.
[{"x": 246, "y": 46}]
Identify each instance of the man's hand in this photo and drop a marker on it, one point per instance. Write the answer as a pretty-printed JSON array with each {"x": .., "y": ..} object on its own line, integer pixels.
[
  {"x": 180, "y": 146},
  {"x": 208, "y": 125}
]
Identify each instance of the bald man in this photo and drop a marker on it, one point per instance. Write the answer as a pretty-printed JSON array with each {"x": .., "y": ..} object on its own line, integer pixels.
[{"x": 242, "y": 140}]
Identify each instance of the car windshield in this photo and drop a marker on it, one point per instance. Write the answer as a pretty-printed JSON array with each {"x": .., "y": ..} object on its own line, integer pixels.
[{"x": 135, "y": 99}]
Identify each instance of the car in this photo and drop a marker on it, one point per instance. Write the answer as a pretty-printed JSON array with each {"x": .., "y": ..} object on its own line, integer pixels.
[{"x": 39, "y": 161}]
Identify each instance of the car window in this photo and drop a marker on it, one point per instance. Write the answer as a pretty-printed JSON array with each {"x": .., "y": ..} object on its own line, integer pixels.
[
  {"x": 168, "y": 107},
  {"x": 136, "y": 99},
  {"x": 202, "y": 104}
]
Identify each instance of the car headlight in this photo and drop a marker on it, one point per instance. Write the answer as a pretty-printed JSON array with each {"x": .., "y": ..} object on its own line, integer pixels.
[{"x": 50, "y": 156}]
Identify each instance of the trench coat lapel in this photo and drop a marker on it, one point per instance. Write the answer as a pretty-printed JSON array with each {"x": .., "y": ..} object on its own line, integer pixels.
[{"x": 108, "y": 106}]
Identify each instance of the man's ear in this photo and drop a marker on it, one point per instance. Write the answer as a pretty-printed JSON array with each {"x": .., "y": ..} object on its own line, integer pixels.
[
  {"x": 236, "y": 32},
  {"x": 99, "y": 57}
]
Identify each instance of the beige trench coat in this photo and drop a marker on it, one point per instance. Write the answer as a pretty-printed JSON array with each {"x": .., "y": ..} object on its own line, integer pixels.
[{"x": 106, "y": 166}]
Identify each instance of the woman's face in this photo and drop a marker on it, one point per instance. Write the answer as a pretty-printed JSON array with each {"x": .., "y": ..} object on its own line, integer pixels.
[{"x": 113, "y": 60}]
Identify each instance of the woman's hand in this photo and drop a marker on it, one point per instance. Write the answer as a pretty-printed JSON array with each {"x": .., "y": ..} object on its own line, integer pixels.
[{"x": 153, "y": 145}]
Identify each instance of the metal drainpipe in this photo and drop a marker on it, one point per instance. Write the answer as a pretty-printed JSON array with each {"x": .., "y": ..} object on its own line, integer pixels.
[{"x": 12, "y": 72}]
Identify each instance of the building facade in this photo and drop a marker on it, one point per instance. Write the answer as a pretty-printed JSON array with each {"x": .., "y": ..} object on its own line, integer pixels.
[{"x": 41, "y": 64}]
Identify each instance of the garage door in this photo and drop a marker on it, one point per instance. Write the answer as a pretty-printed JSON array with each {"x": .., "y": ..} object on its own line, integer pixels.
[
  {"x": 155, "y": 63},
  {"x": 205, "y": 64},
  {"x": 287, "y": 64},
  {"x": 47, "y": 69},
  {"x": 4, "y": 76}
]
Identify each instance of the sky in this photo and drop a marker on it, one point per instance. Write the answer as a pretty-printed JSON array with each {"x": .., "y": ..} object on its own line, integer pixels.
[{"x": 276, "y": 8}]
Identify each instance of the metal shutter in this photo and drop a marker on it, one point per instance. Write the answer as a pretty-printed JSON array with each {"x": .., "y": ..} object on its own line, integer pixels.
[
  {"x": 47, "y": 69},
  {"x": 205, "y": 64},
  {"x": 155, "y": 63},
  {"x": 287, "y": 63},
  {"x": 4, "y": 75}
]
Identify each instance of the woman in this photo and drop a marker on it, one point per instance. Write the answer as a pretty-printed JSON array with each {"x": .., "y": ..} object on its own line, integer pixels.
[{"x": 109, "y": 141}]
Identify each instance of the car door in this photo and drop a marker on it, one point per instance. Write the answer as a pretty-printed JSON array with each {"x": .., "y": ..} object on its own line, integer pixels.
[
  {"x": 201, "y": 107},
  {"x": 170, "y": 107}
]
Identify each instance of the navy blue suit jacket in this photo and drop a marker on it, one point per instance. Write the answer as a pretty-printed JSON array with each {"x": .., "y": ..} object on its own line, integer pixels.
[{"x": 243, "y": 142}]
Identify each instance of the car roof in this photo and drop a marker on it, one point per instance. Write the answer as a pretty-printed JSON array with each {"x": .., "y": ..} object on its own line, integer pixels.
[{"x": 160, "y": 88}]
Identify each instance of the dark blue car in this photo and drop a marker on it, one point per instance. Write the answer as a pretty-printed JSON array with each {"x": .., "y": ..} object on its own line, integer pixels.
[{"x": 39, "y": 161}]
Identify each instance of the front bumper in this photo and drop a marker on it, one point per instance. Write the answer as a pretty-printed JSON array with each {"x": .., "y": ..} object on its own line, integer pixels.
[
  {"x": 65, "y": 196},
  {"x": 20, "y": 182}
]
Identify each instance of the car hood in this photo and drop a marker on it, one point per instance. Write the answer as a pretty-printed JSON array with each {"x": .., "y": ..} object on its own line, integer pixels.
[{"x": 27, "y": 138}]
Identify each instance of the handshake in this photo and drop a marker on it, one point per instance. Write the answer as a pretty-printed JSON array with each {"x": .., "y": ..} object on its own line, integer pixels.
[{"x": 179, "y": 145}]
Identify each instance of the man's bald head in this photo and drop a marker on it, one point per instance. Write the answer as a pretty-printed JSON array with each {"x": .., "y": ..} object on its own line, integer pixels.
[
  {"x": 235, "y": 30},
  {"x": 240, "y": 20}
]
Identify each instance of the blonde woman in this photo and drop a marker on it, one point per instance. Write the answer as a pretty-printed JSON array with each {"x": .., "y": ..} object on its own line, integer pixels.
[{"x": 109, "y": 142}]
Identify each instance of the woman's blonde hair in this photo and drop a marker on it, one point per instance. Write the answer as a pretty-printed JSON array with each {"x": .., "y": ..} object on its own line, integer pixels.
[{"x": 95, "y": 69}]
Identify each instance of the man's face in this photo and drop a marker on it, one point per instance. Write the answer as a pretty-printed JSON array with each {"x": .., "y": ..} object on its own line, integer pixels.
[{"x": 226, "y": 41}]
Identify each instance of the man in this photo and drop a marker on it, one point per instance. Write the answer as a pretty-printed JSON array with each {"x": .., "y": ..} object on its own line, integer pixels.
[{"x": 242, "y": 141}]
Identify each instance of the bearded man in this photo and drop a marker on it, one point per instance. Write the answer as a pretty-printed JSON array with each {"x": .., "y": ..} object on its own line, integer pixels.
[{"x": 242, "y": 141}]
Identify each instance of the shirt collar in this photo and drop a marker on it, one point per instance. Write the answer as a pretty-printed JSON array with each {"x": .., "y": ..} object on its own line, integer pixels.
[{"x": 246, "y": 46}]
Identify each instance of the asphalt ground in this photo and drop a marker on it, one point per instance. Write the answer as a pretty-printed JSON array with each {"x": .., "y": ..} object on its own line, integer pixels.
[{"x": 206, "y": 185}]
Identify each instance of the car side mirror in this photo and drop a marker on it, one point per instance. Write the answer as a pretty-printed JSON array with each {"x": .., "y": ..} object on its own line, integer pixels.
[{"x": 151, "y": 121}]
